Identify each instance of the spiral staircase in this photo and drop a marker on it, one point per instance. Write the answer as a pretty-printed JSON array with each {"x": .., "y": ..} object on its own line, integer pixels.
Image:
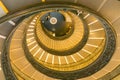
[{"x": 34, "y": 45}]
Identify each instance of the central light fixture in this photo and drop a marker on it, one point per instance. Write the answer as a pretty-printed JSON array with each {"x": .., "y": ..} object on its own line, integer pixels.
[{"x": 53, "y": 20}]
